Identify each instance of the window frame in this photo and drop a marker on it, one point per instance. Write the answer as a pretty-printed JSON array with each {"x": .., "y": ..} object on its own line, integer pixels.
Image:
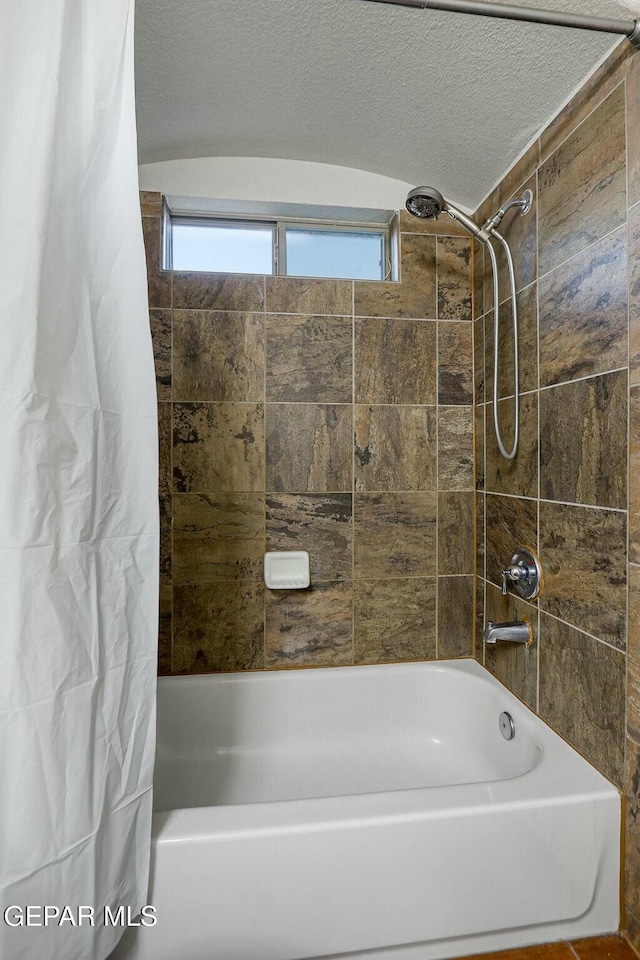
[{"x": 279, "y": 226}]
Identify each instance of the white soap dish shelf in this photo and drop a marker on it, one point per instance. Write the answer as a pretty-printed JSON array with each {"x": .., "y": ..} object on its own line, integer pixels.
[{"x": 287, "y": 570}]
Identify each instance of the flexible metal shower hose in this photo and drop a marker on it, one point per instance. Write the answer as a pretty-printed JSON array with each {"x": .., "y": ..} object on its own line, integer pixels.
[{"x": 508, "y": 455}]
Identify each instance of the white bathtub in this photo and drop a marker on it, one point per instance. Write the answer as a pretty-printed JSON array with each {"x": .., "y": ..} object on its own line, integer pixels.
[{"x": 377, "y": 809}]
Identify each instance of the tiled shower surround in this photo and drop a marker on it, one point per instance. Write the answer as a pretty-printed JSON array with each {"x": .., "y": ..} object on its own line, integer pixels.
[
  {"x": 338, "y": 417},
  {"x": 573, "y": 491},
  {"x": 320, "y": 415}
]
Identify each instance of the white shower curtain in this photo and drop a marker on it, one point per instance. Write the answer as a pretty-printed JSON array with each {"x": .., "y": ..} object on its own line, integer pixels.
[{"x": 78, "y": 467}]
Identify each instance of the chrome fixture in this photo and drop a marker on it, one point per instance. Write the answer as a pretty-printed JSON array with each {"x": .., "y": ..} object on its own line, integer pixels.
[
  {"x": 525, "y": 573},
  {"x": 427, "y": 203},
  {"x": 524, "y": 204},
  {"x": 507, "y": 726},
  {"x": 507, "y": 11},
  {"x": 514, "y": 631}
]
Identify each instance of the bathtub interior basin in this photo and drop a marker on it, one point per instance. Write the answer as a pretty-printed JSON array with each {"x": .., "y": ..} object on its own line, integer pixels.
[{"x": 382, "y": 729}]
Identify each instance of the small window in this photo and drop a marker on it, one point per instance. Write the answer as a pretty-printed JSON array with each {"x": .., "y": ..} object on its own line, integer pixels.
[
  {"x": 296, "y": 249},
  {"x": 227, "y": 247},
  {"x": 315, "y": 252}
]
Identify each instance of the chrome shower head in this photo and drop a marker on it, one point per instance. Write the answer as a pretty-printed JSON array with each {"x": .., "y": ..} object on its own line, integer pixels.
[{"x": 426, "y": 203}]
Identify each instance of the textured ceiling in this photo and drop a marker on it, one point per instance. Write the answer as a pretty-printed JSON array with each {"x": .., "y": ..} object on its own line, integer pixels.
[{"x": 418, "y": 95}]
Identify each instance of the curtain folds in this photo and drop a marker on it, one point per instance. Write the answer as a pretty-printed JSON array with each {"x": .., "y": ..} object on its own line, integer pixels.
[{"x": 78, "y": 481}]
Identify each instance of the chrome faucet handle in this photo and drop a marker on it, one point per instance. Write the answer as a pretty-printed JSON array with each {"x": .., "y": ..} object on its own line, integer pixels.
[
  {"x": 525, "y": 573},
  {"x": 516, "y": 573}
]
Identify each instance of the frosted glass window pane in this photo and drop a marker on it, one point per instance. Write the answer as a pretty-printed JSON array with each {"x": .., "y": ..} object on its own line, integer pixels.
[
  {"x": 222, "y": 248},
  {"x": 334, "y": 253}
]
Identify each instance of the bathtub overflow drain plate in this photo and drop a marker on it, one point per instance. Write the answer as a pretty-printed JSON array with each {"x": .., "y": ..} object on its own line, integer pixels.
[{"x": 507, "y": 726}]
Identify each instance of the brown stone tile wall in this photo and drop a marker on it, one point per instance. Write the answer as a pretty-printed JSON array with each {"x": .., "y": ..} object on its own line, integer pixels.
[
  {"x": 573, "y": 491},
  {"x": 321, "y": 415}
]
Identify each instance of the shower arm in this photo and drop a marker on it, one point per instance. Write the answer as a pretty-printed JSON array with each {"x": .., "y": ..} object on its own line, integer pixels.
[
  {"x": 506, "y": 11},
  {"x": 523, "y": 203}
]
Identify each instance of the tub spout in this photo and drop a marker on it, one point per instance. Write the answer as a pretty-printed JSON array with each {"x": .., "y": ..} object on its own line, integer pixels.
[{"x": 515, "y": 631}]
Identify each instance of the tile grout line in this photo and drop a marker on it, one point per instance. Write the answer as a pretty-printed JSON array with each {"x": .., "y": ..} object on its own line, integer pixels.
[
  {"x": 479, "y": 495},
  {"x": 426, "y": 233},
  {"x": 628, "y": 471},
  {"x": 171, "y": 534},
  {"x": 563, "y": 383},
  {"x": 586, "y": 633},
  {"x": 264, "y": 455},
  {"x": 619, "y": 227},
  {"x": 633, "y": 947},
  {"x": 539, "y": 644},
  {"x": 484, "y": 465},
  {"x": 573, "y": 949},
  {"x": 271, "y": 313},
  {"x": 437, "y": 395},
  {"x": 324, "y": 403},
  {"x": 560, "y": 503},
  {"x": 321, "y": 493},
  {"x": 474, "y": 379},
  {"x": 353, "y": 467}
]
